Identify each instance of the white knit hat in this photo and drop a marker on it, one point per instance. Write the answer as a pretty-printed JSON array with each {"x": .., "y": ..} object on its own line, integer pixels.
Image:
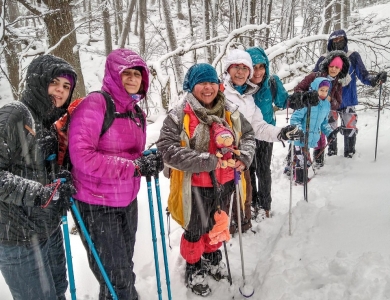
[{"x": 238, "y": 56}]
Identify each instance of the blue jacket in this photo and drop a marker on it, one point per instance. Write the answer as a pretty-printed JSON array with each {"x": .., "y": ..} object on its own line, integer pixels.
[
  {"x": 318, "y": 119},
  {"x": 356, "y": 70},
  {"x": 263, "y": 97}
]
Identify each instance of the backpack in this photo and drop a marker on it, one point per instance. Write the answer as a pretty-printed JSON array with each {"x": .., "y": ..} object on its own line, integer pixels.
[
  {"x": 273, "y": 87},
  {"x": 62, "y": 124}
]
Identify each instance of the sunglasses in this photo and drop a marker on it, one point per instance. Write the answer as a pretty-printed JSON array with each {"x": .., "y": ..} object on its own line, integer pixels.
[{"x": 238, "y": 68}]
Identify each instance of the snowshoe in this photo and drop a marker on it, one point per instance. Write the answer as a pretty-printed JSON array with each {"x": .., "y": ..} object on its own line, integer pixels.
[
  {"x": 214, "y": 265},
  {"x": 196, "y": 279}
]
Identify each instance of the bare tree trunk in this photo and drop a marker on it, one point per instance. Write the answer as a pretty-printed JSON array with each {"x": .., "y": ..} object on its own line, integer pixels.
[
  {"x": 206, "y": 29},
  {"x": 214, "y": 24},
  {"x": 177, "y": 65},
  {"x": 268, "y": 21},
  {"x": 328, "y": 20},
  {"x": 60, "y": 23},
  {"x": 12, "y": 48},
  {"x": 191, "y": 29},
  {"x": 136, "y": 22},
  {"x": 126, "y": 26},
  {"x": 106, "y": 28},
  {"x": 142, "y": 17},
  {"x": 119, "y": 14},
  {"x": 178, "y": 7},
  {"x": 347, "y": 13},
  {"x": 337, "y": 15}
]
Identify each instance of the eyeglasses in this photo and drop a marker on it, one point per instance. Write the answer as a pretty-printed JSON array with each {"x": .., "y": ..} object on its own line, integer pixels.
[{"x": 238, "y": 68}]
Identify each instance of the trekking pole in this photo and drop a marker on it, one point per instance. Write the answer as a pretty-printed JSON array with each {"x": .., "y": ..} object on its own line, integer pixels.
[
  {"x": 305, "y": 156},
  {"x": 291, "y": 184},
  {"x": 93, "y": 249},
  {"x": 217, "y": 197},
  {"x": 64, "y": 221},
  {"x": 162, "y": 231},
  {"x": 246, "y": 290},
  {"x": 377, "y": 123},
  {"x": 153, "y": 228}
]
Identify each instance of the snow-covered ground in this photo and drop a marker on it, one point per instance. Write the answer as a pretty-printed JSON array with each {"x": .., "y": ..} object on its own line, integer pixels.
[{"x": 340, "y": 242}]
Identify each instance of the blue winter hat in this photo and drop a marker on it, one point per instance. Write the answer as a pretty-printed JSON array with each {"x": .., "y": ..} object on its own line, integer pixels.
[{"x": 199, "y": 73}]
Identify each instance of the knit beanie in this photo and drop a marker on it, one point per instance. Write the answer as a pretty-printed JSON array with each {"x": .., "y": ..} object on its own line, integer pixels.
[
  {"x": 237, "y": 57},
  {"x": 70, "y": 78},
  {"x": 199, "y": 73},
  {"x": 324, "y": 83},
  {"x": 336, "y": 62}
]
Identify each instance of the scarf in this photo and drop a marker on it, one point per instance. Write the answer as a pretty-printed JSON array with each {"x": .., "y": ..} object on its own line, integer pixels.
[{"x": 201, "y": 137}]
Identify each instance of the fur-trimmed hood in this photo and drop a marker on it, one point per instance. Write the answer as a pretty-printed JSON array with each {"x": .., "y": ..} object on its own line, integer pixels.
[{"x": 331, "y": 55}]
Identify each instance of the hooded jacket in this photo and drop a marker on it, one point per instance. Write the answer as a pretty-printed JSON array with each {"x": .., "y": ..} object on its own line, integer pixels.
[
  {"x": 263, "y": 97},
  {"x": 336, "y": 91},
  {"x": 24, "y": 170},
  {"x": 318, "y": 118},
  {"x": 103, "y": 168},
  {"x": 356, "y": 70}
]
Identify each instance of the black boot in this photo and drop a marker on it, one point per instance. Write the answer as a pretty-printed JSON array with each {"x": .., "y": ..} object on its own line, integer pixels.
[
  {"x": 319, "y": 159},
  {"x": 349, "y": 145},
  {"x": 214, "y": 265},
  {"x": 332, "y": 148}
]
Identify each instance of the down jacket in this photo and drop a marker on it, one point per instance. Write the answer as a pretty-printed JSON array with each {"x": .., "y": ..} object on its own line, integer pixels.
[
  {"x": 263, "y": 97},
  {"x": 174, "y": 143},
  {"x": 356, "y": 70},
  {"x": 318, "y": 118},
  {"x": 24, "y": 171},
  {"x": 103, "y": 169}
]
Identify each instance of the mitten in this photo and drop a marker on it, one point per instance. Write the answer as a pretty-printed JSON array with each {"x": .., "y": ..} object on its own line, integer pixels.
[
  {"x": 310, "y": 97},
  {"x": 148, "y": 165},
  {"x": 333, "y": 134},
  {"x": 48, "y": 143},
  {"x": 220, "y": 231},
  {"x": 290, "y": 132},
  {"x": 295, "y": 101},
  {"x": 381, "y": 77}
]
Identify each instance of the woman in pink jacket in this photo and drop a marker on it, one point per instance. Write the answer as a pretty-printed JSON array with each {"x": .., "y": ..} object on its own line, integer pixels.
[{"x": 107, "y": 168}]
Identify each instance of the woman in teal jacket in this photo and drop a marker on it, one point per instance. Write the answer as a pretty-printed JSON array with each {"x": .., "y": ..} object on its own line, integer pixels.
[{"x": 271, "y": 97}]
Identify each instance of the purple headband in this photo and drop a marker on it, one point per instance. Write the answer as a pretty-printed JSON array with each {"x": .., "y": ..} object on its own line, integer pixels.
[
  {"x": 69, "y": 77},
  {"x": 324, "y": 83}
]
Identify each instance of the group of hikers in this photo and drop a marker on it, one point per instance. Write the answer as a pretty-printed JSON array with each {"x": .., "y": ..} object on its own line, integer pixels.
[{"x": 218, "y": 131}]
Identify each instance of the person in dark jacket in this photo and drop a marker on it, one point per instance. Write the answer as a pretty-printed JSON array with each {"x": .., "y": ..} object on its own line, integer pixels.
[
  {"x": 271, "y": 97},
  {"x": 338, "y": 41},
  {"x": 32, "y": 257}
]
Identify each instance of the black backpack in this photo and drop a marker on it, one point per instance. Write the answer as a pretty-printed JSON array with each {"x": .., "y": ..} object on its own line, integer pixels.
[{"x": 111, "y": 114}]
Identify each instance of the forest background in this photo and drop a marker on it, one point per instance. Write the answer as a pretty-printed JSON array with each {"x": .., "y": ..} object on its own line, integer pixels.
[{"x": 173, "y": 35}]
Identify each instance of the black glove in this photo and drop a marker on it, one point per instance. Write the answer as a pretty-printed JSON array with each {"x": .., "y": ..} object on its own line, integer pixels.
[
  {"x": 48, "y": 143},
  {"x": 300, "y": 100},
  {"x": 310, "y": 97},
  {"x": 59, "y": 197},
  {"x": 333, "y": 135},
  {"x": 381, "y": 77},
  {"x": 149, "y": 165},
  {"x": 290, "y": 132}
]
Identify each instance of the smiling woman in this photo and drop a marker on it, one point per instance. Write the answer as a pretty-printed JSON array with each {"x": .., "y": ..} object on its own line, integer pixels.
[{"x": 59, "y": 90}]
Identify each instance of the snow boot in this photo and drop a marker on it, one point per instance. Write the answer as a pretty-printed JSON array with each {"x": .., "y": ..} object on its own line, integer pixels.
[
  {"x": 196, "y": 279},
  {"x": 319, "y": 158},
  {"x": 332, "y": 148},
  {"x": 216, "y": 268},
  {"x": 299, "y": 176}
]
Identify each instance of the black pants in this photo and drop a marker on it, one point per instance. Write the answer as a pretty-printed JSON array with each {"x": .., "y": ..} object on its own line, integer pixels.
[
  {"x": 112, "y": 230},
  {"x": 261, "y": 168}
]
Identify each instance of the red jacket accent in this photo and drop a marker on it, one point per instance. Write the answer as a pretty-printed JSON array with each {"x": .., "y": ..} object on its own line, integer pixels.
[
  {"x": 203, "y": 179},
  {"x": 62, "y": 126}
]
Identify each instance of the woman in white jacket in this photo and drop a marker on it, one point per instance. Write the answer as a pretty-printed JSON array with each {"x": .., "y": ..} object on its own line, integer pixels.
[{"x": 239, "y": 90}]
